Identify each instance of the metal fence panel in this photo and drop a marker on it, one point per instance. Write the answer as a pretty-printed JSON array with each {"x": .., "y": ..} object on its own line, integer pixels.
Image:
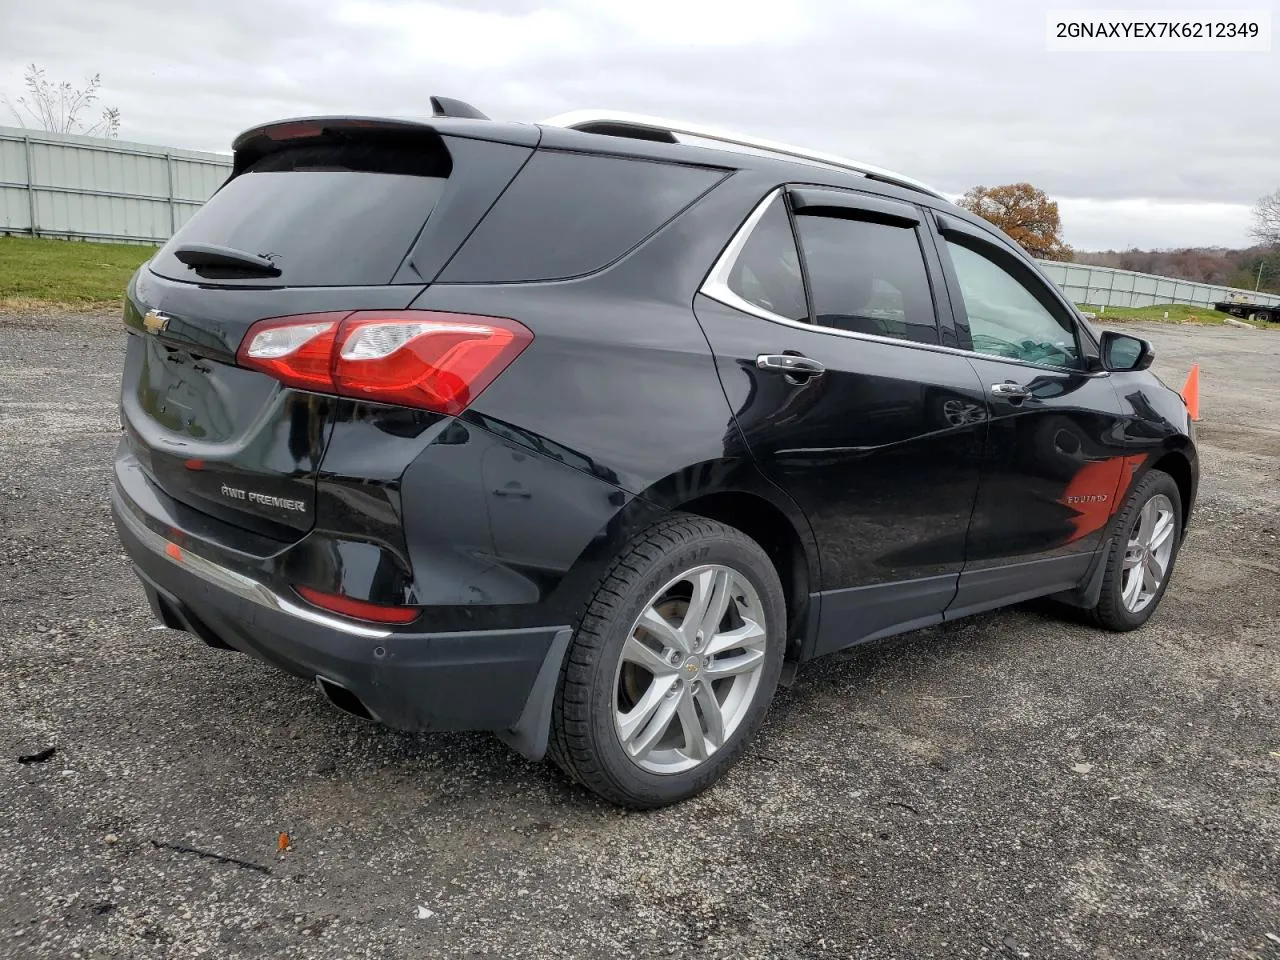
[
  {"x": 59, "y": 185},
  {"x": 15, "y": 201},
  {"x": 1110, "y": 287},
  {"x": 15, "y": 210}
]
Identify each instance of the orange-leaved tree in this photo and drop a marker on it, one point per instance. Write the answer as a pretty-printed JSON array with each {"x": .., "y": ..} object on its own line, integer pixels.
[{"x": 1025, "y": 214}]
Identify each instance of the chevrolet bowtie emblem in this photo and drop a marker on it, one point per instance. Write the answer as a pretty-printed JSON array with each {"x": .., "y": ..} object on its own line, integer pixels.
[{"x": 155, "y": 321}]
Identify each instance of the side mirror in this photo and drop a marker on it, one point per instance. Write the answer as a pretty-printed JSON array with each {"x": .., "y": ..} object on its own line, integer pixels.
[{"x": 1123, "y": 352}]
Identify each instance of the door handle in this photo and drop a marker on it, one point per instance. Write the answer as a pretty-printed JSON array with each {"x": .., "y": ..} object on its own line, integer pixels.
[
  {"x": 1013, "y": 392},
  {"x": 514, "y": 494},
  {"x": 790, "y": 364}
]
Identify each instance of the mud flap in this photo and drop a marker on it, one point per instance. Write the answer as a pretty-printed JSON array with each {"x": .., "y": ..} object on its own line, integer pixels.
[
  {"x": 532, "y": 730},
  {"x": 1086, "y": 595}
]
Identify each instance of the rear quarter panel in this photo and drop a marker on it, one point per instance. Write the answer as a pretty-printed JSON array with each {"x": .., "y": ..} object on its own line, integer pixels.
[
  {"x": 618, "y": 387},
  {"x": 619, "y": 372}
]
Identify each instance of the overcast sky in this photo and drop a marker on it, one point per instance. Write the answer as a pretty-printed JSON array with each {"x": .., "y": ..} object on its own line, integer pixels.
[{"x": 1140, "y": 149}]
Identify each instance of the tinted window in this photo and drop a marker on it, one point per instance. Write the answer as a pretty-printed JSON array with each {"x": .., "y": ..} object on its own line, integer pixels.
[
  {"x": 867, "y": 278},
  {"x": 326, "y": 214},
  {"x": 1005, "y": 317},
  {"x": 766, "y": 273},
  {"x": 568, "y": 214}
]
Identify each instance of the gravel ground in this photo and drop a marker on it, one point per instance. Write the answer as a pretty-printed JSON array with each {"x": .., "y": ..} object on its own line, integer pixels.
[{"x": 1011, "y": 786}]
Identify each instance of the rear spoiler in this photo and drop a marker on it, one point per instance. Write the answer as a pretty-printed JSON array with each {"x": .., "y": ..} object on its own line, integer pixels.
[
  {"x": 306, "y": 128},
  {"x": 266, "y": 138}
]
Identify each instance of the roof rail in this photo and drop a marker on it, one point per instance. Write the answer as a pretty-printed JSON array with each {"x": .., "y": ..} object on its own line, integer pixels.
[{"x": 656, "y": 128}]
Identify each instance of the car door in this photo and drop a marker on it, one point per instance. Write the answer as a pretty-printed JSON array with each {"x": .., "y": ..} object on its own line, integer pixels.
[
  {"x": 1054, "y": 461},
  {"x": 830, "y": 354}
]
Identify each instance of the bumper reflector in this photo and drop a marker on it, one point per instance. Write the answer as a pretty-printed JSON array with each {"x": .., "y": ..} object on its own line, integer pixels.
[{"x": 359, "y": 609}]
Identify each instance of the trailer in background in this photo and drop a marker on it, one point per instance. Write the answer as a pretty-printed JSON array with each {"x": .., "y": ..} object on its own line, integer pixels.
[{"x": 1239, "y": 305}]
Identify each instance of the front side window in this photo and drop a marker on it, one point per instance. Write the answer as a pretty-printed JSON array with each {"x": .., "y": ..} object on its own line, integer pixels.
[
  {"x": 1005, "y": 317},
  {"x": 767, "y": 271},
  {"x": 867, "y": 277}
]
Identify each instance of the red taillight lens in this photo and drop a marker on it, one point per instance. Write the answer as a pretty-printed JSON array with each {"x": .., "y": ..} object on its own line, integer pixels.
[
  {"x": 416, "y": 358},
  {"x": 436, "y": 360},
  {"x": 360, "y": 609},
  {"x": 295, "y": 350}
]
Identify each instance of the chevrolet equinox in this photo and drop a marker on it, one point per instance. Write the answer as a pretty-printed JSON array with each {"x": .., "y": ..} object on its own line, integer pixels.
[{"x": 589, "y": 432}]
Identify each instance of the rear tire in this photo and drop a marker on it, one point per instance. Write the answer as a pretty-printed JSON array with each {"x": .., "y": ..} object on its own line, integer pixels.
[
  {"x": 672, "y": 665},
  {"x": 1140, "y": 562}
]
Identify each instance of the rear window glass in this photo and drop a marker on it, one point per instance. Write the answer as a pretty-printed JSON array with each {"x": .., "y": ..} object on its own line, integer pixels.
[
  {"x": 569, "y": 214},
  {"x": 327, "y": 214}
]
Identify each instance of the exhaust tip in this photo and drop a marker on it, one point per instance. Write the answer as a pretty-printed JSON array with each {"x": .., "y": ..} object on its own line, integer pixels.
[{"x": 344, "y": 699}]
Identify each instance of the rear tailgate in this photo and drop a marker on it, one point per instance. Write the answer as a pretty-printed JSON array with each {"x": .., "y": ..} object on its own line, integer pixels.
[{"x": 318, "y": 217}]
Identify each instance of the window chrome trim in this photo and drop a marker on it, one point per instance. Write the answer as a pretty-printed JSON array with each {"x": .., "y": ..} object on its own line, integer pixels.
[{"x": 716, "y": 287}]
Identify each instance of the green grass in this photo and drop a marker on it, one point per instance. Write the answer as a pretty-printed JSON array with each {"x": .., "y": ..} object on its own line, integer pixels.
[
  {"x": 37, "y": 272},
  {"x": 1178, "y": 312}
]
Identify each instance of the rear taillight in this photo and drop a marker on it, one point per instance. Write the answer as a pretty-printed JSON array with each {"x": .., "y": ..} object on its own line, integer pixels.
[
  {"x": 295, "y": 350},
  {"x": 414, "y": 358}
]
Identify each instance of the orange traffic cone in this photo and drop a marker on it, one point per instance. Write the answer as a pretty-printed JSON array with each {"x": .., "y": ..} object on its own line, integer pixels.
[{"x": 1191, "y": 392}]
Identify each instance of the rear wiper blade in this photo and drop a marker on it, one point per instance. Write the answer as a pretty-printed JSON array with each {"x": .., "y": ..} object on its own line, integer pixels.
[{"x": 212, "y": 255}]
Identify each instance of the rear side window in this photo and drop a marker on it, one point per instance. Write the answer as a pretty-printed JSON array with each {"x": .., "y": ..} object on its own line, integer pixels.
[
  {"x": 569, "y": 214},
  {"x": 766, "y": 273},
  {"x": 325, "y": 213},
  {"x": 867, "y": 277}
]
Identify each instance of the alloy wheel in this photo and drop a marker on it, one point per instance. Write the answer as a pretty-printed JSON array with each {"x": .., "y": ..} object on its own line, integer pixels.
[
  {"x": 689, "y": 669},
  {"x": 1148, "y": 554}
]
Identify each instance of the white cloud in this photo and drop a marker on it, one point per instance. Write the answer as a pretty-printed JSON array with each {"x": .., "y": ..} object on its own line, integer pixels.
[
  {"x": 427, "y": 35},
  {"x": 698, "y": 23},
  {"x": 1140, "y": 148},
  {"x": 1119, "y": 224}
]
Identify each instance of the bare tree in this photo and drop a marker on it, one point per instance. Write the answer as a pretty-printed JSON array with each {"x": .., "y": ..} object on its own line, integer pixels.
[
  {"x": 60, "y": 108},
  {"x": 1266, "y": 219}
]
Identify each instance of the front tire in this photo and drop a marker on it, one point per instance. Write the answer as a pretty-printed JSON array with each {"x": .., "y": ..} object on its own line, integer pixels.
[
  {"x": 672, "y": 665},
  {"x": 1140, "y": 561}
]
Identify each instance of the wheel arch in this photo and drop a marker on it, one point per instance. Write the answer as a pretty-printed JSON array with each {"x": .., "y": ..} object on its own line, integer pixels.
[
  {"x": 732, "y": 492},
  {"x": 1177, "y": 464}
]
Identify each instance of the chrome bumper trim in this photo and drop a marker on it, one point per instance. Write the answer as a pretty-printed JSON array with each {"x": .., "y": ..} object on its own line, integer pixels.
[{"x": 237, "y": 583}]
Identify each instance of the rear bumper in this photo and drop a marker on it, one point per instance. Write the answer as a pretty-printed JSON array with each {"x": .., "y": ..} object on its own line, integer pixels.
[{"x": 499, "y": 680}]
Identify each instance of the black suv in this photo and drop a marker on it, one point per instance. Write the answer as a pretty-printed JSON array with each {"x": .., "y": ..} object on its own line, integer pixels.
[{"x": 589, "y": 436}]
